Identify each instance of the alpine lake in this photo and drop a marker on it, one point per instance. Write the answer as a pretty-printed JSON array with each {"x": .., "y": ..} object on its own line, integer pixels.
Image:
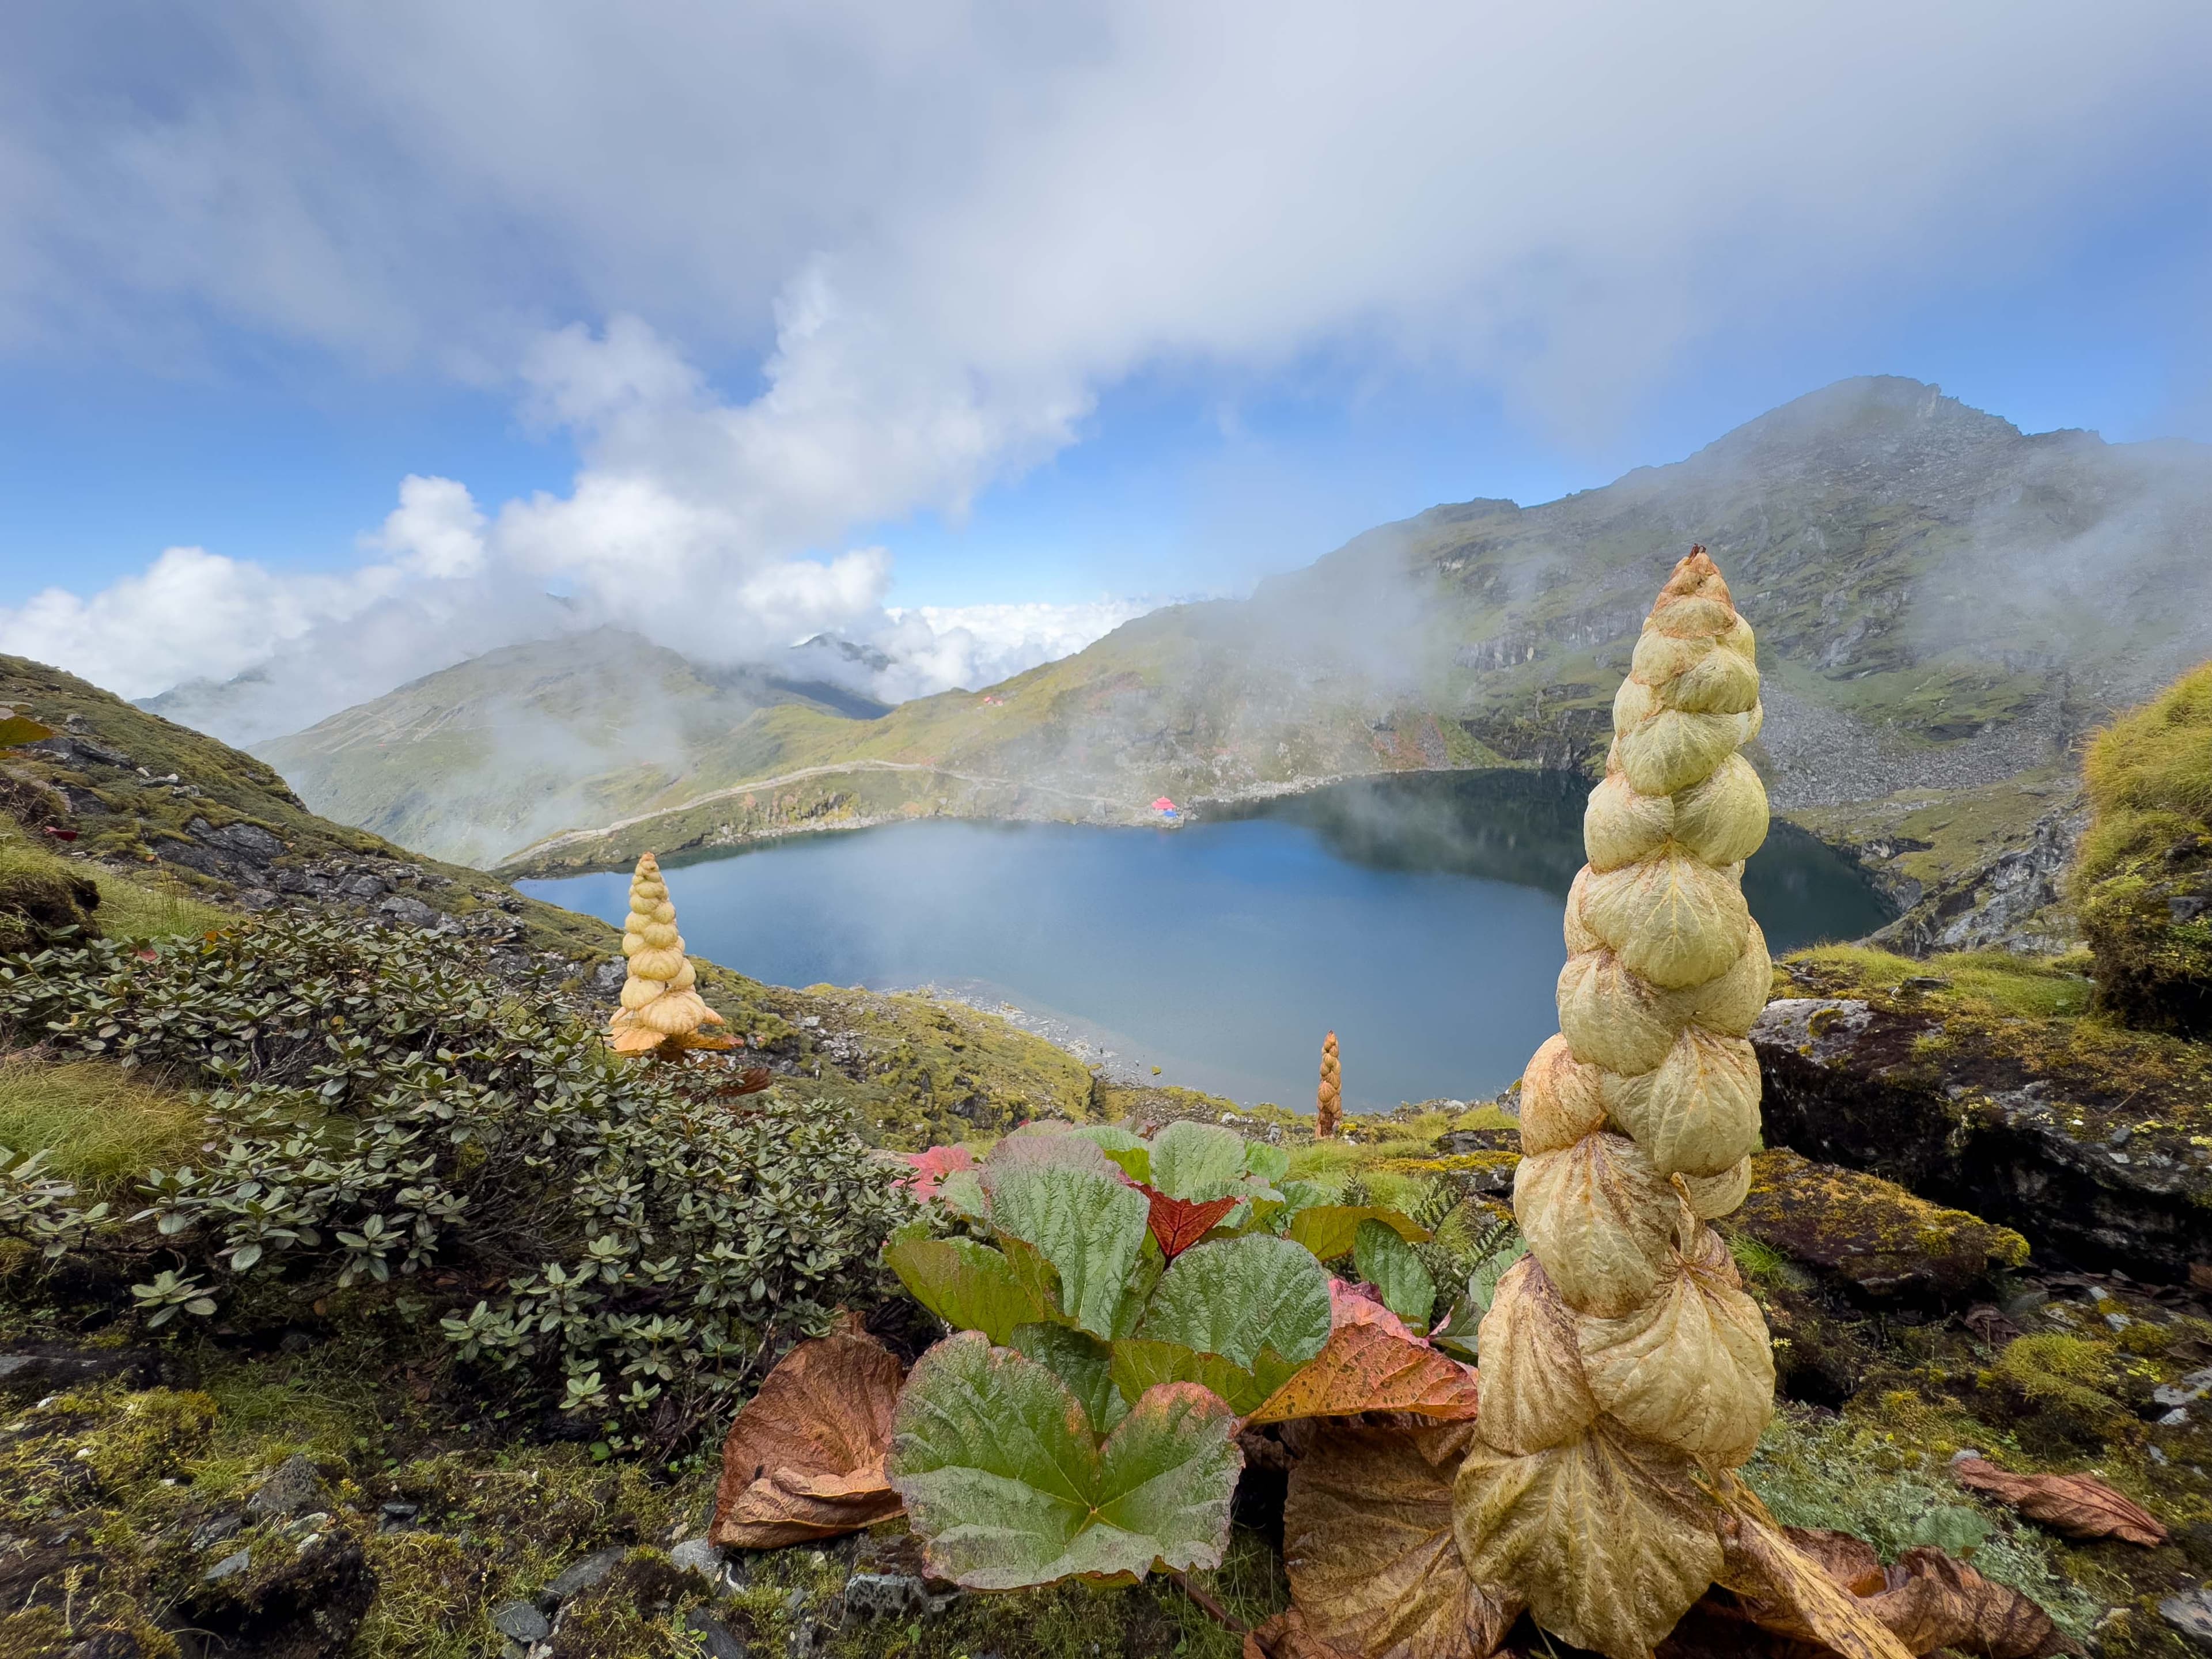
[{"x": 1416, "y": 915}]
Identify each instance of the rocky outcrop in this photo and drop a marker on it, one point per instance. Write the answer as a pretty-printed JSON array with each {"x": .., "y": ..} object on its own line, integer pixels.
[
  {"x": 1966, "y": 1113},
  {"x": 2012, "y": 901}
]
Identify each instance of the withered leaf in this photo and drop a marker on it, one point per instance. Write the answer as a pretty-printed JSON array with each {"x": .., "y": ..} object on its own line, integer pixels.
[
  {"x": 1802, "y": 1585},
  {"x": 1935, "y": 1602},
  {"x": 804, "y": 1458},
  {"x": 1180, "y": 1223},
  {"x": 1285, "y": 1637},
  {"x": 1367, "y": 1540},
  {"x": 2073, "y": 1505},
  {"x": 1370, "y": 1368}
]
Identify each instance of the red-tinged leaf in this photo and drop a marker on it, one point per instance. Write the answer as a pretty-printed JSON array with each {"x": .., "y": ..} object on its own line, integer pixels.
[
  {"x": 804, "y": 1459},
  {"x": 2073, "y": 1505},
  {"x": 932, "y": 1166},
  {"x": 1359, "y": 1304},
  {"x": 1364, "y": 1368},
  {"x": 1180, "y": 1223}
]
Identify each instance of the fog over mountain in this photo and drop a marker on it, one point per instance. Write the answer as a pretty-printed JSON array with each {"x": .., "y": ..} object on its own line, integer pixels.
[{"x": 1940, "y": 598}]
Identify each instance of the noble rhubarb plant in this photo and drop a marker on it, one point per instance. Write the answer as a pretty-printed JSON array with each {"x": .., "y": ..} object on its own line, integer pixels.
[
  {"x": 661, "y": 1011},
  {"x": 1624, "y": 1373},
  {"x": 1122, "y": 1306}
]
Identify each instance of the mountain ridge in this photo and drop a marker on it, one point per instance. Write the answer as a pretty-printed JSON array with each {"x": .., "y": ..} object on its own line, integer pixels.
[{"x": 1941, "y": 599}]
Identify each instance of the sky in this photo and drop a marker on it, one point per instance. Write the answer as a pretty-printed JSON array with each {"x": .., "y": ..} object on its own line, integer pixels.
[{"x": 339, "y": 342}]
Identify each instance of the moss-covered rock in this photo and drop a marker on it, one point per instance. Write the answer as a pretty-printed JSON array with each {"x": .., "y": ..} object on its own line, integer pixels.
[
  {"x": 1872, "y": 1236},
  {"x": 1989, "y": 1086},
  {"x": 43, "y": 900},
  {"x": 2143, "y": 884}
]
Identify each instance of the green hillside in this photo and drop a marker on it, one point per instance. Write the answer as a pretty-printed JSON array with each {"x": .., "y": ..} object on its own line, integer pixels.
[{"x": 477, "y": 759}]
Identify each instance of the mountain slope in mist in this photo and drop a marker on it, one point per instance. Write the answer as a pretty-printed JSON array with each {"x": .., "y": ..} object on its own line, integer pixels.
[
  {"x": 1940, "y": 598},
  {"x": 472, "y": 762}
]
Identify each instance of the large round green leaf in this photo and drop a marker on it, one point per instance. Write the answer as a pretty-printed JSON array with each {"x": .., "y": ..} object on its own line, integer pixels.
[
  {"x": 1089, "y": 1227},
  {"x": 1387, "y": 1262},
  {"x": 1006, "y": 1485},
  {"x": 1234, "y": 1297},
  {"x": 1197, "y": 1161},
  {"x": 970, "y": 1286}
]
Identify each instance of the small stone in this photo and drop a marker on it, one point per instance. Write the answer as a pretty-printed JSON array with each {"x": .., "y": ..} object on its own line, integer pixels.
[
  {"x": 714, "y": 1635},
  {"x": 885, "y": 1595},
  {"x": 2120, "y": 1137},
  {"x": 2174, "y": 1419},
  {"x": 230, "y": 1566},
  {"x": 209, "y": 1533},
  {"x": 698, "y": 1555},
  {"x": 522, "y": 1622},
  {"x": 2158, "y": 1458},
  {"x": 295, "y": 1485},
  {"x": 2119, "y": 1321},
  {"x": 584, "y": 1575},
  {"x": 2190, "y": 1615}
]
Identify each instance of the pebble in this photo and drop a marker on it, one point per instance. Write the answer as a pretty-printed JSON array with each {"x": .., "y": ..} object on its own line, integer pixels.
[
  {"x": 698, "y": 1555},
  {"x": 2190, "y": 1615},
  {"x": 230, "y": 1566},
  {"x": 715, "y": 1636},
  {"x": 522, "y": 1622},
  {"x": 584, "y": 1575}
]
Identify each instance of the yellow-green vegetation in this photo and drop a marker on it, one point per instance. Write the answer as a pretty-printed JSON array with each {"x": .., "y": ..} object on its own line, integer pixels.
[
  {"x": 100, "y": 1127},
  {"x": 1870, "y": 1233},
  {"x": 1877, "y": 1471},
  {"x": 2143, "y": 883},
  {"x": 1988, "y": 981},
  {"x": 1927, "y": 836}
]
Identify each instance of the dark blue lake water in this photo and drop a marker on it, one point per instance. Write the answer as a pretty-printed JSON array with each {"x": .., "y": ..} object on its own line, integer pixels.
[{"x": 1419, "y": 917}]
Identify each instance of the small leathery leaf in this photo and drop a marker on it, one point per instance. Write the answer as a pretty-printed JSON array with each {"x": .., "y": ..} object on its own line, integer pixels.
[
  {"x": 1620, "y": 826},
  {"x": 1713, "y": 1196},
  {"x": 1724, "y": 819},
  {"x": 1699, "y": 1113},
  {"x": 1674, "y": 918},
  {"x": 1691, "y": 1368},
  {"x": 804, "y": 1458},
  {"x": 1600, "y": 1219},
  {"x": 1533, "y": 1394},
  {"x": 1561, "y": 1099},
  {"x": 1732, "y": 1004},
  {"x": 1368, "y": 1544},
  {"x": 1613, "y": 1018},
  {"x": 1370, "y": 1368},
  {"x": 1610, "y": 1540},
  {"x": 2073, "y": 1505},
  {"x": 1007, "y": 1486}
]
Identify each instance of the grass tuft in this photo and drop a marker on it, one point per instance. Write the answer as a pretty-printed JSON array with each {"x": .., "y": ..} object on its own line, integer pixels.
[{"x": 100, "y": 1125}]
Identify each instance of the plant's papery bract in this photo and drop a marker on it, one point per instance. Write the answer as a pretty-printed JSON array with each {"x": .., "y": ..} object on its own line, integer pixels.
[{"x": 1624, "y": 1352}]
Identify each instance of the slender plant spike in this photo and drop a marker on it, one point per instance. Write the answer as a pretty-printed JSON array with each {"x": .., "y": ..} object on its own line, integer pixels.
[
  {"x": 1624, "y": 1370},
  {"x": 1328, "y": 1105},
  {"x": 660, "y": 1010}
]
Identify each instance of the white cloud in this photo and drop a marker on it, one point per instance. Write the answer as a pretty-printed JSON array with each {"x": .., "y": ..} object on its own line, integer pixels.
[
  {"x": 938, "y": 647},
  {"x": 435, "y": 531},
  {"x": 940, "y": 230}
]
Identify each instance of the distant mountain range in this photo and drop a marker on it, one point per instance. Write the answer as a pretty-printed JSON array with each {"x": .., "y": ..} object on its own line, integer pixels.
[
  {"x": 1940, "y": 598},
  {"x": 474, "y": 761}
]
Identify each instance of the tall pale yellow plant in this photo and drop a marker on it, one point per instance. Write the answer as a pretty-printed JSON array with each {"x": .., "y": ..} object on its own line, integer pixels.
[
  {"x": 661, "y": 1011},
  {"x": 1624, "y": 1370}
]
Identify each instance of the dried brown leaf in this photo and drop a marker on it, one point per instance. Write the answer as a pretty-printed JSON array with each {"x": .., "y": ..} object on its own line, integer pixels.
[
  {"x": 1367, "y": 1538},
  {"x": 2073, "y": 1505},
  {"x": 1799, "y": 1592},
  {"x": 1285, "y": 1637},
  {"x": 804, "y": 1458},
  {"x": 2000, "y": 1623},
  {"x": 1370, "y": 1368}
]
